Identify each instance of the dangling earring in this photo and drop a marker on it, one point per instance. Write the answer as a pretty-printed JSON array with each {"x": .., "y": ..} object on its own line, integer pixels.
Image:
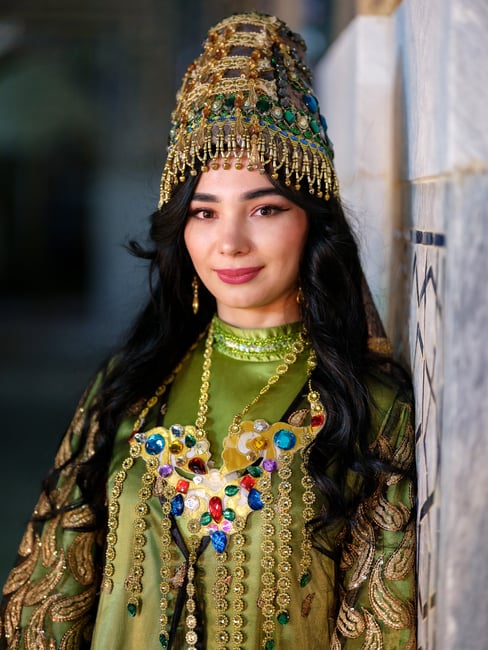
[
  {"x": 299, "y": 296},
  {"x": 195, "y": 303}
]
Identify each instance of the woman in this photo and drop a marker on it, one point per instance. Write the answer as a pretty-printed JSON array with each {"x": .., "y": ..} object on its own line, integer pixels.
[{"x": 240, "y": 474}]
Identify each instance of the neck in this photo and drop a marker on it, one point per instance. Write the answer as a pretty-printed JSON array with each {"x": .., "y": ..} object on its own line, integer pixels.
[{"x": 258, "y": 318}]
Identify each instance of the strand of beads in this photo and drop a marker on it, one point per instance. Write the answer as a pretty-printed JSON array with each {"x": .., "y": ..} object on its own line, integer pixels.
[
  {"x": 133, "y": 582},
  {"x": 285, "y": 550},
  {"x": 112, "y": 524}
]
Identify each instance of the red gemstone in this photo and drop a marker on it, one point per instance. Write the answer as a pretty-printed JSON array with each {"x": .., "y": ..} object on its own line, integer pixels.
[
  {"x": 197, "y": 466},
  {"x": 182, "y": 486},
  {"x": 248, "y": 482},
  {"x": 215, "y": 508},
  {"x": 318, "y": 420}
]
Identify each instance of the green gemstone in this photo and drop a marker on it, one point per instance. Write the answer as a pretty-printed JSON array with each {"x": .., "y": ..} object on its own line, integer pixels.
[
  {"x": 163, "y": 641},
  {"x": 270, "y": 645},
  {"x": 289, "y": 117},
  {"x": 229, "y": 514},
  {"x": 283, "y": 618},
  {"x": 205, "y": 519},
  {"x": 231, "y": 490},
  {"x": 255, "y": 471},
  {"x": 295, "y": 131},
  {"x": 263, "y": 104},
  {"x": 315, "y": 127},
  {"x": 229, "y": 102},
  {"x": 132, "y": 609},
  {"x": 305, "y": 579},
  {"x": 190, "y": 441}
]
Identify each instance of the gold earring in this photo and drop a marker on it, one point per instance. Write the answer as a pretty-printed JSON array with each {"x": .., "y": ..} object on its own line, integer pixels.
[
  {"x": 195, "y": 303},
  {"x": 299, "y": 295}
]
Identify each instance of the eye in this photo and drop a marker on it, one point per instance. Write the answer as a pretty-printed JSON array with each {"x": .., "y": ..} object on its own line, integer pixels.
[
  {"x": 201, "y": 213},
  {"x": 269, "y": 210}
]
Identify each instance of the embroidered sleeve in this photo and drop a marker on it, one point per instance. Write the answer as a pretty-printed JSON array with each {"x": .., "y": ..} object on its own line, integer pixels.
[
  {"x": 377, "y": 605},
  {"x": 49, "y": 596}
]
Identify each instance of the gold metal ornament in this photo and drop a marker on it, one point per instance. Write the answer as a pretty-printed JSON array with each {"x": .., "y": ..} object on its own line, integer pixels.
[{"x": 195, "y": 303}]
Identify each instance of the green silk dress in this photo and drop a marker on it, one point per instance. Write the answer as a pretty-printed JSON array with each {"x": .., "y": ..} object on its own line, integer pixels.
[{"x": 365, "y": 602}]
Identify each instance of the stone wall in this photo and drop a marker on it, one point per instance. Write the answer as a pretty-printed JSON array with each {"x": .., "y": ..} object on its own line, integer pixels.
[{"x": 405, "y": 96}]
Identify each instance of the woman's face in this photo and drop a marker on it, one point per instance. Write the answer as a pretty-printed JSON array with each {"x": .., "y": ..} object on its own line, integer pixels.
[{"x": 246, "y": 240}]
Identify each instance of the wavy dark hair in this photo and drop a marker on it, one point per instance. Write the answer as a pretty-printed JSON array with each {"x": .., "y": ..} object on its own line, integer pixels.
[{"x": 333, "y": 314}]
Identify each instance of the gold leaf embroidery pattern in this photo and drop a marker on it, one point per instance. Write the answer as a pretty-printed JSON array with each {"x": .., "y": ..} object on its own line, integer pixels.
[
  {"x": 349, "y": 621},
  {"x": 12, "y": 615},
  {"x": 402, "y": 560},
  {"x": 70, "y": 608},
  {"x": 363, "y": 547},
  {"x": 390, "y": 517},
  {"x": 49, "y": 554},
  {"x": 72, "y": 639},
  {"x": 35, "y": 633},
  {"x": 78, "y": 518},
  {"x": 388, "y": 608},
  {"x": 80, "y": 558},
  {"x": 40, "y": 589},
  {"x": 335, "y": 644},
  {"x": 28, "y": 541},
  {"x": 404, "y": 455},
  {"x": 373, "y": 638},
  {"x": 20, "y": 574}
]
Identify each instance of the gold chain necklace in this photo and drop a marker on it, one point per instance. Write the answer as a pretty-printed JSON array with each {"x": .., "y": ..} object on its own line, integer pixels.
[
  {"x": 297, "y": 347},
  {"x": 221, "y": 510}
]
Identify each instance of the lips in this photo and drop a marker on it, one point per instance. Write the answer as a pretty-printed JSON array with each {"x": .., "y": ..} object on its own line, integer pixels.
[{"x": 238, "y": 276}]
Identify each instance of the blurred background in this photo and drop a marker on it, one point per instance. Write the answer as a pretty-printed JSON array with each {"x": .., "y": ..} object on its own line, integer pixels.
[{"x": 86, "y": 90}]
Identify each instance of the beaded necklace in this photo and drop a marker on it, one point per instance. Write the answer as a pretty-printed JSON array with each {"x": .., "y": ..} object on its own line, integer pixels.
[{"x": 216, "y": 503}]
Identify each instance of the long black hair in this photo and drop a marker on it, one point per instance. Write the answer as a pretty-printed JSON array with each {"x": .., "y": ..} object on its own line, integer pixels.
[{"x": 334, "y": 317}]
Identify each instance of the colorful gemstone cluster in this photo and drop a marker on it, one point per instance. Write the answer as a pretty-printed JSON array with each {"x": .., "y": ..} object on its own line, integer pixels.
[{"x": 255, "y": 477}]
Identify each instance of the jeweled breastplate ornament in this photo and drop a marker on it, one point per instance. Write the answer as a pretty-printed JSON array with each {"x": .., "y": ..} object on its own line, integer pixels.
[{"x": 215, "y": 503}]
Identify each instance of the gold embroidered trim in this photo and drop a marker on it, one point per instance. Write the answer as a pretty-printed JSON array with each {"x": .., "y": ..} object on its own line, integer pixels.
[
  {"x": 78, "y": 518},
  {"x": 373, "y": 638},
  {"x": 48, "y": 549},
  {"x": 20, "y": 574},
  {"x": 402, "y": 560},
  {"x": 80, "y": 558},
  {"x": 70, "y": 608},
  {"x": 386, "y": 606},
  {"x": 350, "y": 623},
  {"x": 41, "y": 588},
  {"x": 12, "y": 615},
  {"x": 390, "y": 517}
]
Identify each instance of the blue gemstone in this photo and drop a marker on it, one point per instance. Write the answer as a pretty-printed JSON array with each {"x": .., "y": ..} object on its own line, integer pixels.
[
  {"x": 285, "y": 439},
  {"x": 219, "y": 541},
  {"x": 155, "y": 444},
  {"x": 177, "y": 505},
  {"x": 323, "y": 121},
  {"x": 254, "y": 499},
  {"x": 311, "y": 103}
]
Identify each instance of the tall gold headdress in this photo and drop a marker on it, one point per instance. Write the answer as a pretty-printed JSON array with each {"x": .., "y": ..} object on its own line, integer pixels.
[{"x": 248, "y": 101}]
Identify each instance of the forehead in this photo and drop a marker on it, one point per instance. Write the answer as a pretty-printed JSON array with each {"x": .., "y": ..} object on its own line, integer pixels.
[{"x": 231, "y": 183}]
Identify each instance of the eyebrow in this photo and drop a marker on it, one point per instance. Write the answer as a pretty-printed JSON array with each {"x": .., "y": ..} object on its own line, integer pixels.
[{"x": 246, "y": 196}]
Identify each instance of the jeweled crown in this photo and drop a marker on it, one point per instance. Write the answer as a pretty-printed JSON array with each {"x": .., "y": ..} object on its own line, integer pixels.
[{"x": 248, "y": 100}]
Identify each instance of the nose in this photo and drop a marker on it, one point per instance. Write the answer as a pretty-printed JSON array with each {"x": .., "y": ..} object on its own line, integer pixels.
[{"x": 233, "y": 237}]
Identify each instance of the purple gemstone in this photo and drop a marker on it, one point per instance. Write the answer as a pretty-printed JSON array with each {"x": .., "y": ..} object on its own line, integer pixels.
[
  {"x": 165, "y": 470},
  {"x": 270, "y": 465}
]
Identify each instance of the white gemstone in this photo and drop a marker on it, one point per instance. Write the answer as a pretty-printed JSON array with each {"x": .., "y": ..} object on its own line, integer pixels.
[{"x": 260, "y": 425}]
